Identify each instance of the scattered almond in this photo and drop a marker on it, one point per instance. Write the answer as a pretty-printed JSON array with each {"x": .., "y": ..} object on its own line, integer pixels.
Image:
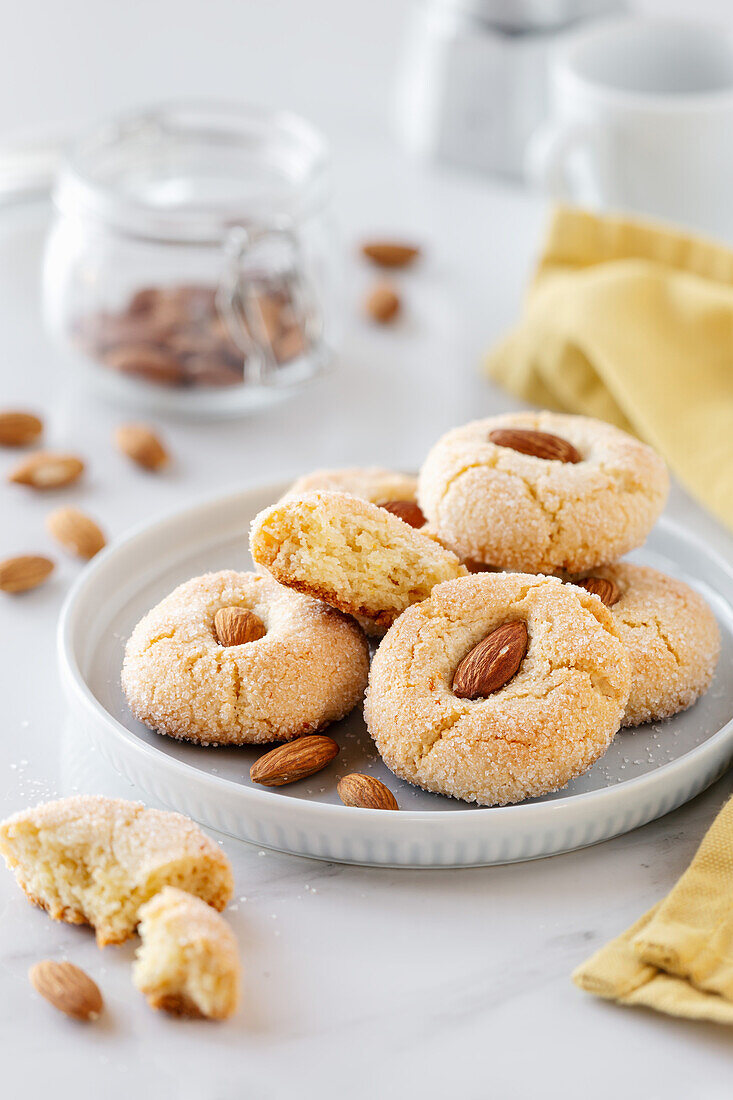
[
  {"x": 294, "y": 760},
  {"x": 18, "y": 429},
  {"x": 47, "y": 470},
  {"x": 390, "y": 253},
  {"x": 142, "y": 445},
  {"x": 76, "y": 531},
  {"x": 492, "y": 663},
  {"x": 383, "y": 303},
  {"x": 406, "y": 510},
  {"x": 365, "y": 791},
  {"x": 606, "y": 591},
  {"x": 24, "y": 572},
  {"x": 537, "y": 444},
  {"x": 236, "y": 626},
  {"x": 67, "y": 988}
]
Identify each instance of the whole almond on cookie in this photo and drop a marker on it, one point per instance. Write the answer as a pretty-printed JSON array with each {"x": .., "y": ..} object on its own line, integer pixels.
[
  {"x": 76, "y": 531},
  {"x": 237, "y": 626},
  {"x": 538, "y": 444},
  {"x": 390, "y": 253},
  {"x": 47, "y": 470},
  {"x": 142, "y": 445},
  {"x": 406, "y": 510},
  {"x": 294, "y": 760},
  {"x": 492, "y": 663},
  {"x": 606, "y": 591},
  {"x": 365, "y": 791},
  {"x": 24, "y": 572},
  {"x": 383, "y": 303},
  {"x": 18, "y": 429},
  {"x": 67, "y": 988}
]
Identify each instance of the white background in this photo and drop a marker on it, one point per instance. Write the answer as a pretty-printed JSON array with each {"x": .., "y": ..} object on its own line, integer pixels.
[{"x": 358, "y": 982}]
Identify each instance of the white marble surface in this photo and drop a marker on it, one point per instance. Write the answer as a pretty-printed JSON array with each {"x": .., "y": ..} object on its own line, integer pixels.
[{"x": 358, "y": 982}]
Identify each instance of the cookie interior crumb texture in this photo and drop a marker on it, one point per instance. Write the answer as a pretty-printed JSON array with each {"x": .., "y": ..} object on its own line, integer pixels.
[
  {"x": 309, "y": 669},
  {"x": 549, "y": 724},
  {"x": 495, "y": 505},
  {"x": 671, "y": 636},
  {"x": 187, "y": 962},
  {"x": 94, "y": 860},
  {"x": 350, "y": 553}
]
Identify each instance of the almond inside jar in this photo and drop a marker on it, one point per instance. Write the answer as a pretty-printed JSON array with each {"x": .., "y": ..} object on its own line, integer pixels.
[{"x": 174, "y": 336}]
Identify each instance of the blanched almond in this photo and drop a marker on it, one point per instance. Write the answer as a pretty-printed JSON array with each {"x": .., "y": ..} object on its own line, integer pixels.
[
  {"x": 24, "y": 572},
  {"x": 47, "y": 470},
  {"x": 76, "y": 531},
  {"x": 18, "y": 429},
  {"x": 67, "y": 988}
]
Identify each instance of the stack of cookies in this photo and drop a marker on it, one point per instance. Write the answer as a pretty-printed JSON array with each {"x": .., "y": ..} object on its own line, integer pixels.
[{"x": 513, "y": 643}]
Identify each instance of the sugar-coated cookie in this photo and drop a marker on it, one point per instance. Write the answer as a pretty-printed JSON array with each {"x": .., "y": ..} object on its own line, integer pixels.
[
  {"x": 372, "y": 483},
  {"x": 670, "y": 634},
  {"x": 553, "y": 718},
  {"x": 354, "y": 555},
  {"x": 580, "y": 495},
  {"x": 187, "y": 962},
  {"x": 94, "y": 860},
  {"x": 305, "y": 666}
]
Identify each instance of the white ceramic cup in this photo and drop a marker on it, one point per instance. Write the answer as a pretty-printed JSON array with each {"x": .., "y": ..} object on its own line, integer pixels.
[{"x": 642, "y": 121}]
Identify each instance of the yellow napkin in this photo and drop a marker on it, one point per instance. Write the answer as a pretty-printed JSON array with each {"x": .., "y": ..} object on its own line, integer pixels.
[
  {"x": 678, "y": 958},
  {"x": 633, "y": 324}
]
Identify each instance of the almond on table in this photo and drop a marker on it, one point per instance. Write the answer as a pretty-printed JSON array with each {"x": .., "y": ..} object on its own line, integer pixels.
[
  {"x": 142, "y": 445},
  {"x": 24, "y": 572},
  {"x": 18, "y": 429},
  {"x": 390, "y": 253},
  {"x": 76, "y": 531},
  {"x": 383, "y": 303},
  {"x": 47, "y": 470},
  {"x": 67, "y": 988}
]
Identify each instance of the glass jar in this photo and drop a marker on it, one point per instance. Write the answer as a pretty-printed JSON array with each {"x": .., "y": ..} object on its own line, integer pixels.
[{"x": 190, "y": 263}]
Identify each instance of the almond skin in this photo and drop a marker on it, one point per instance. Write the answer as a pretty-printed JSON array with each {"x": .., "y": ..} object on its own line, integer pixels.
[
  {"x": 149, "y": 364},
  {"x": 492, "y": 663},
  {"x": 365, "y": 791},
  {"x": 383, "y": 303},
  {"x": 67, "y": 988},
  {"x": 606, "y": 591},
  {"x": 76, "y": 532},
  {"x": 47, "y": 470},
  {"x": 537, "y": 444},
  {"x": 390, "y": 253},
  {"x": 406, "y": 510},
  {"x": 142, "y": 445},
  {"x": 236, "y": 626},
  {"x": 18, "y": 429},
  {"x": 24, "y": 572},
  {"x": 295, "y": 760}
]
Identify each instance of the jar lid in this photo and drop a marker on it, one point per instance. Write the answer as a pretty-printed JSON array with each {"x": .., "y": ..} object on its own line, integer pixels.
[
  {"x": 192, "y": 172},
  {"x": 528, "y": 15}
]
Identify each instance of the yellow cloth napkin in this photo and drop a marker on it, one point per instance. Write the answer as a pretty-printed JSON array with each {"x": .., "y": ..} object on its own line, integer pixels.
[
  {"x": 678, "y": 958},
  {"x": 633, "y": 324}
]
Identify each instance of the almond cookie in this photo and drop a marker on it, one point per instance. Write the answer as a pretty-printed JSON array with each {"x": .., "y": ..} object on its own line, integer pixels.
[
  {"x": 497, "y": 688},
  {"x": 94, "y": 860},
  {"x": 541, "y": 492},
  {"x": 233, "y": 658},
  {"x": 670, "y": 634},
  {"x": 352, "y": 554},
  {"x": 372, "y": 483},
  {"x": 187, "y": 962}
]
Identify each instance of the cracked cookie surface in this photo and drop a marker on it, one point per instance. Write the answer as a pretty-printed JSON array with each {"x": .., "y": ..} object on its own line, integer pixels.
[
  {"x": 546, "y": 726},
  {"x": 671, "y": 636},
  {"x": 308, "y": 670},
  {"x": 496, "y": 505}
]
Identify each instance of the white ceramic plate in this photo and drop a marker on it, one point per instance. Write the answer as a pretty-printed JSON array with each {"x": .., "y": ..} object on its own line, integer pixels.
[{"x": 645, "y": 773}]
